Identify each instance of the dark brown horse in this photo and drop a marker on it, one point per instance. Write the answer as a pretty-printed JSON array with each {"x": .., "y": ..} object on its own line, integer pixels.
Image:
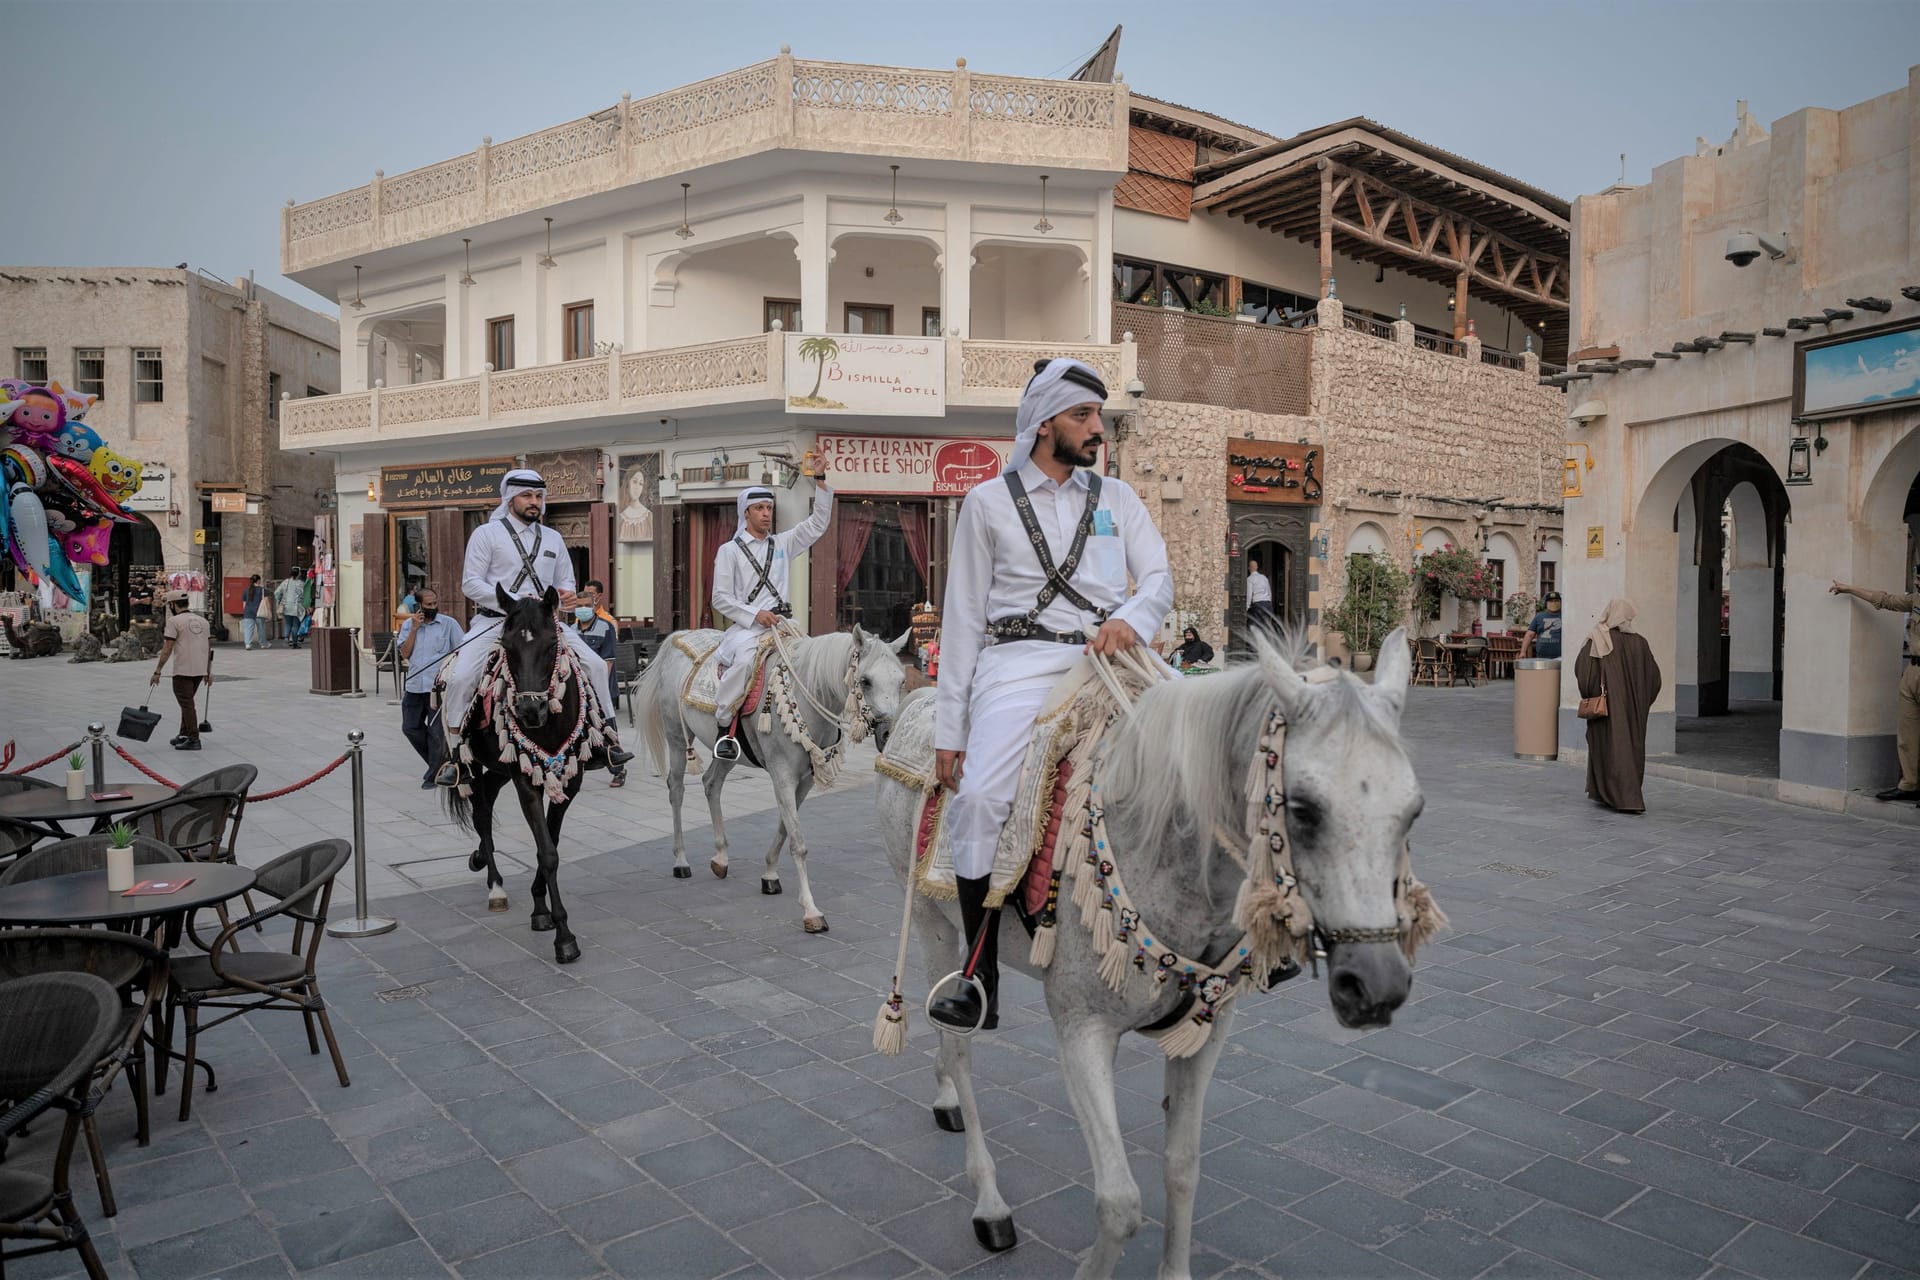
[{"x": 543, "y": 739}]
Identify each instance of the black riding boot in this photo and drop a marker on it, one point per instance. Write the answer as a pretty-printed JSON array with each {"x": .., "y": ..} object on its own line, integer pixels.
[{"x": 962, "y": 1011}]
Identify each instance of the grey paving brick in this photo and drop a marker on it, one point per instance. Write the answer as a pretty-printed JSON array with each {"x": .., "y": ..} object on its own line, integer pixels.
[
  {"x": 437, "y": 1190},
  {"x": 1576, "y": 1186},
  {"x": 780, "y": 1130},
  {"x": 1614, "y": 1112},
  {"x": 1357, "y": 1212},
  {"x": 1477, "y": 1202},
  {"x": 1789, "y": 1124},
  {"x": 1401, "y": 1083},
  {"x": 1701, "y": 1137},
  {"x": 412, "y": 1260},
  {"x": 551, "y": 1257},
  {"x": 511, "y": 1125},
  {"x": 200, "y": 1252},
  {"x": 1327, "y": 1253},
  {"x": 1683, "y": 1223},
  {"x": 1802, "y": 1168},
  {"x": 1875, "y": 1189},
  {"x": 485, "y": 1226},
  {"x": 1517, "y": 1122},
  {"x": 1446, "y": 1250},
  {"x": 1722, "y": 1186},
  {"x": 631, "y": 1209},
  {"x": 866, "y": 1184},
  {"x": 571, "y": 1172},
  {"x": 1595, "y": 1247},
  {"x": 349, "y": 1233},
  {"x": 1877, "y": 1235},
  {"x": 1532, "y": 1087},
  {"x": 1486, "y": 1154},
  {"x": 1264, "y": 1173},
  {"x": 691, "y": 1161},
  {"x": 1364, "y": 1160},
  {"x": 1775, "y": 1255}
]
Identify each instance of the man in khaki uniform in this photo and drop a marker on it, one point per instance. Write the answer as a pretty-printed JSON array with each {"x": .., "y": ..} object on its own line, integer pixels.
[
  {"x": 1909, "y": 739},
  {"x": 191, "y": 649}
]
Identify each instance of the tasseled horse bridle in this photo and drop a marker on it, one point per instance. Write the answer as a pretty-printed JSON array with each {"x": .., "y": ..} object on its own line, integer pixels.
[{"x": 550, "y": 771}]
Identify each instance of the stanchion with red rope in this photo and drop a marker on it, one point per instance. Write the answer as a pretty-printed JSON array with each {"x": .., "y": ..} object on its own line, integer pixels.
[
  {"x": 301, "y": 785},
  {"x": 61, "y": 754}
]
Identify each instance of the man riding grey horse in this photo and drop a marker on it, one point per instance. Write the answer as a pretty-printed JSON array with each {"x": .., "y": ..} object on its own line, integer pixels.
[
  {"x": 750, "y": 590},
  {"x": 1039, "y": 572},
  {"x": 515, "y": 553}
]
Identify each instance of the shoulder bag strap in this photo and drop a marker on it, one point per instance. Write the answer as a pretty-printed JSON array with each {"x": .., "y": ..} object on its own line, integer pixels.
[
  {"x": 764, "y": 571},
  {"x": 526, "y": 559},
  {"x": 1058, "y": 579}
]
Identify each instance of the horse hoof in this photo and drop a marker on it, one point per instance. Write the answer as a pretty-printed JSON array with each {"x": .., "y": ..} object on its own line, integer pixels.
[
  {"x": 477, "y": 861},
  {"x": 718, "y": 868},
  {"x": 770, "y": 887},
  {"x": 683, "y": 873},
  {"x": 995, "y": 1234},
  {"x": 814, "y": 924},
  {"x": 950, "y": 1120},
  {"x": 541, "y": 922},
  {"x": 496, "y": 902},
  {"x": 569, "y": 951}
]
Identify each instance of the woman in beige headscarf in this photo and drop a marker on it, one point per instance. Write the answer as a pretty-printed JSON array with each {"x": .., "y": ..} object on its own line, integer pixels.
[{"x": 1618, "y": 663}]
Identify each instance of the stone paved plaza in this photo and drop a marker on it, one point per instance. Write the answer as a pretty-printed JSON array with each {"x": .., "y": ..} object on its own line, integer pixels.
[{"x": 1665, "y": 1046}]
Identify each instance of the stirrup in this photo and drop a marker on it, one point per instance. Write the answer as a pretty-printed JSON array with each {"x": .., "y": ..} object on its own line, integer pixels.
[
  {"x": 966, "y": 979},
  {"x": 726, "y": 747}
]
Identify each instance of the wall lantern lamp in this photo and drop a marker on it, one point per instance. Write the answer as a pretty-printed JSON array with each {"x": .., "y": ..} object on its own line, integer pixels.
[
  {"x": 357, "y": 304},
  {"x": 684, "y": 231},
  {"x": 1800, "y": 453},
  {"x": 717, "y": 470},
  {"x": 1043, "y": 226},
  {"x": 466, "y": 274},
  {"x": 546, "y": 259},
  {"x": 892, "y": 216},
  {"x": 1571, "y": 473}
]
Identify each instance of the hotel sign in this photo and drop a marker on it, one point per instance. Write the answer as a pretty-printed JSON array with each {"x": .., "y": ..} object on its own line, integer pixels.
[
  {"x": 883, "y": 376},
  {"x": 908, "y": 464},
  {"x": 443, "y": 483}
]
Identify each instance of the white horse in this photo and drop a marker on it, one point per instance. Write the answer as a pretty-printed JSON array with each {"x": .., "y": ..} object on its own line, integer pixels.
[
  {"x": 848, "y": 684},
  {"x": 1172, "y": 782}
]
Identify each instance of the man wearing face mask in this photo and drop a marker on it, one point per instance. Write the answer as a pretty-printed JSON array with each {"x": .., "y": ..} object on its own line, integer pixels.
[
  {"x": 591, "y": 622},
  {"x": 425, "y": 639}
]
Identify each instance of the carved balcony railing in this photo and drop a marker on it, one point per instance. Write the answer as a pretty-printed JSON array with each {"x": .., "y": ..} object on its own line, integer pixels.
[{"x": 783, "y": 104}]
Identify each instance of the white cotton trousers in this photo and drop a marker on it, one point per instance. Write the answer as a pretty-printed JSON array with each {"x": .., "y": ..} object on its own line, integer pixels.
[
  {"x": 735, "y": 664},
  {"x": 463, "y": 674},
  {"x": 1010, "y": 686}
]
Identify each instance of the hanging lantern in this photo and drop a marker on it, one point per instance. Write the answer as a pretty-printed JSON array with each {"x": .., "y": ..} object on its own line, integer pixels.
[{"x": 1800, "y": 461}]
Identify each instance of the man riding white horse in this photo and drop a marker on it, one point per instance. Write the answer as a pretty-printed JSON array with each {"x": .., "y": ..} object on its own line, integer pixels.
[
  {"x": 750, "y": 588},
  {"x": 1041, "y": 561},
  {"x": 515, "y": 553}
]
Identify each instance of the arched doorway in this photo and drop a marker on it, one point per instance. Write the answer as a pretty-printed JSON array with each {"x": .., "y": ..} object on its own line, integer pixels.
[{"x": 1274, "y": 538}]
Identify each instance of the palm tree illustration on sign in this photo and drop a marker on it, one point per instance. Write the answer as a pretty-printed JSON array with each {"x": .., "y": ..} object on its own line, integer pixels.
[{"x": 820, "y": 351}]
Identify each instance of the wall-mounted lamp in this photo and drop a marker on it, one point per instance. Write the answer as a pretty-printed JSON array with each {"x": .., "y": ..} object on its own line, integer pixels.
[
  {"x": 1043, "y": 226},
  {"x": 1800, "y": 453},
  {"x": 1571, "y": 473},
  {"x": 466, "y": 275},
  {"x": 357, "y": 304},
  {"x": 684, "y": 231},
  {"x": 1587, "y": 411},
  {"x": 717, "y": 470},
  {"x": 546, "y": 259},
  {"x": 892, "y": 216},
  {"x": 373, "y": 489}
]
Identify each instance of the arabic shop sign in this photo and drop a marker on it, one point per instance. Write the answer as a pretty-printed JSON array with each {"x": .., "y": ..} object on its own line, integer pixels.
[
  {"x": 441, "y": 483},
  {"x": 848, "y": 373},
  {"x": 1270, "y": 472},
  {"x": 908, "y": 464}
]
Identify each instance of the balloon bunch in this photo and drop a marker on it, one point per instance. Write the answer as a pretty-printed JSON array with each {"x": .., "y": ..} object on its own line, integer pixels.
[{"x": 62, "y": 487}]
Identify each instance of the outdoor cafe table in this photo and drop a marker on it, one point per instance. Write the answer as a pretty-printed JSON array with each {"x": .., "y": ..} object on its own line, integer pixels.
[
  {"x": 45, "y": 808},
  {"x": 1464, "y": 660},
  {"x": 83, "y": 897}
]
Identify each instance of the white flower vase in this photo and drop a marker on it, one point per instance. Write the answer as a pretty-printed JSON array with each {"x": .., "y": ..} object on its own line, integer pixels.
[
  {"x": 76, "y": 784},
  {"x": 119, "y": 869}
]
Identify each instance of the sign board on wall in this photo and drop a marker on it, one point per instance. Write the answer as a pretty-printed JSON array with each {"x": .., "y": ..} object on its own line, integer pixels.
[
  {"x": 1596, "y": 542},
  {"x": 156, "y": 489},
  {"x": 571, "y": 476},
  {"x": 440, "y": 483},
  {"x": 848, "y": 373},
  {"x": 908, "y": 464},
  {"x": 229, "y": 502},
  {"x": 1274, "y": 473}
]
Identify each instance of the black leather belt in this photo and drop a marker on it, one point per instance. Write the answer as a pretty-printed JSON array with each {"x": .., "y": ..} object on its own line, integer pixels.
[
  {"x": 783, "y": 609},
  {"x": 1022, "y": 628},
  {"x": 489, "y": 613}
]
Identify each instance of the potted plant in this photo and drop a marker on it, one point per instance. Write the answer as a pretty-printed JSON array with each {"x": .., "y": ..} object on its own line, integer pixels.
[
  {"x": 1374, "y": 603},
  {"x": 120, "y": 858},
  {"x": 76, "y": 777}
]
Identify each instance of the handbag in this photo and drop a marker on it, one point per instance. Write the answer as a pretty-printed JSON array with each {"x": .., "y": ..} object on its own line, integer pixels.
[
  {"x": 138, "y": 723},
  {"x": 1594, "y": 708}
]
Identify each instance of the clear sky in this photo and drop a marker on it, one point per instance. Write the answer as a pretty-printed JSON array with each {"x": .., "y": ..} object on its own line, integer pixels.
[{"x": 148, "y": 133}]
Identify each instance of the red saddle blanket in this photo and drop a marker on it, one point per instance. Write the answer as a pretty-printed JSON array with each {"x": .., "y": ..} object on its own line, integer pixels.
[
  {"x": 1039, "y": 875},
  {"x": 756, "y": 689}
]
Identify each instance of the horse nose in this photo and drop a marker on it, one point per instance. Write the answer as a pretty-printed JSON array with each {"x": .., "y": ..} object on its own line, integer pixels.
[
  {"x": 530, "y": 709},
  {"x": 1366, "y": 982}
]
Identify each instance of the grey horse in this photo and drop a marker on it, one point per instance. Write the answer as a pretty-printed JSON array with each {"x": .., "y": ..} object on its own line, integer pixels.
[
  {"x": 1173, "y": 775},
  {"x": 822, "y": 664}
]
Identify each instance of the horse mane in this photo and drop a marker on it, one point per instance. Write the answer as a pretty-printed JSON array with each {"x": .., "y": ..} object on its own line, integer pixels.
[{"x": 821, "y": 661}]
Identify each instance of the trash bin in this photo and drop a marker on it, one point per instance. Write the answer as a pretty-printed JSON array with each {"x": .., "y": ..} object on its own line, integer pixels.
[
  {"x": 333, "y": 659},
  {"x": 1536, "y": 708}
]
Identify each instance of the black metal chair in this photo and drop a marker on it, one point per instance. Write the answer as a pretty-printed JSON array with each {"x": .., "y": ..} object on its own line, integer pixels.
[
  {"x": 17, "y": 837},
  {"x": 54, "y": 1027},
  {"x": 629, "y": 664},
  {"x": 137, "y": 970},
  {"x": 202, "y": 819},
  {"x": 301, "y": 886}
]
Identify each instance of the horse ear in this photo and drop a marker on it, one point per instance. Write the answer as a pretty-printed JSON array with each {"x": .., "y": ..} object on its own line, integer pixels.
[
  {"x": 859, "y": 638},
  {"x": 500, "y": 593},
  {"x": 550, "y": 599},
  {"x": 1395, "y": 667},
  {"x": 904, "y": 645}
]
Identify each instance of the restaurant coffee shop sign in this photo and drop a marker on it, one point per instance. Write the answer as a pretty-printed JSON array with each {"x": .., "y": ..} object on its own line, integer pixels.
[
  {"x": 442, "y": 483},
  {"x": 925, "y": 465},
  {"x": 849, "y": 373}
]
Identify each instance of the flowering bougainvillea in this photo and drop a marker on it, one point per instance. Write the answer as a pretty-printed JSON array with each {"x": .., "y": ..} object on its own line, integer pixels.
[{"x": 1452, "y": 571}]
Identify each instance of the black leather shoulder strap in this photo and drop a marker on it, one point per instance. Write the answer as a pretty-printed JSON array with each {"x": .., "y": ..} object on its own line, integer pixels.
[
  {"x": 526, "y": 559},
  {"x": 1059, "y": 579},
  {"x": 764, "y": 571}
]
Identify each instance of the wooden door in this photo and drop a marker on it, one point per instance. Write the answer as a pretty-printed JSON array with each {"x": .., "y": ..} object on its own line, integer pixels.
[
  {"x": 446, "y": 558},
  {"x": 374, "y": 615},
  {"x": 600, "y": 550}
]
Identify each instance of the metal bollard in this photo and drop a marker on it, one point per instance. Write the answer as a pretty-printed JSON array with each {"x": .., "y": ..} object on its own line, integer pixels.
[
  {"x": 96, "y": 735},
  {"x": 362, "y": 925},
  {"x": 356, "y": 691}
]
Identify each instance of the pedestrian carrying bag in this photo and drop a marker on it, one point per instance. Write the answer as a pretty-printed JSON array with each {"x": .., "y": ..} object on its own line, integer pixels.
[
  {"x": 1595, "y": 708},
  {"x": 138, "y": 723}
]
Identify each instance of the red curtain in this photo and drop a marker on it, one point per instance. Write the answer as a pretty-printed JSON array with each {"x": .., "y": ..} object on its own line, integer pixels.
[
  {"x": 913, "y": 527},
  {"x": 855, "y": 523},
  {"x": 714, "y": 525}
]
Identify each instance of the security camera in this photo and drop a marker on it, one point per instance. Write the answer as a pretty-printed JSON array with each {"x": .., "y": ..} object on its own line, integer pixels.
[
  {"x": 1744, "y": 247},
  {"x": 1136, "y": 388}
]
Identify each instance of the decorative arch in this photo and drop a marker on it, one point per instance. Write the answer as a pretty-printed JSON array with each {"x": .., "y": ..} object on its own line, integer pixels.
[{"x": 1367, "y": 537}]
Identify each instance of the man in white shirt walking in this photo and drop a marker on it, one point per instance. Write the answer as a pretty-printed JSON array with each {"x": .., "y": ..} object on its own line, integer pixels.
[
  {"x": 515, "y": 553},
  {"x": 1042, "y": 555},
  {"x": 1259, "y": 597}
]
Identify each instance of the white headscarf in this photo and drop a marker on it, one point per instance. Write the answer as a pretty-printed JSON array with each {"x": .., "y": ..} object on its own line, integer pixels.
[
  {"x": 1619, "y": 613},
  {"x": 758, "y": 493},
  {"x": 1050, "y": 392},
  {"x": 516, "y": 482}
]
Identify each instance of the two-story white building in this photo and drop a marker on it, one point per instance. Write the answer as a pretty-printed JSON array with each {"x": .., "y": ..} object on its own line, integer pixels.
[{"x": 637, "y": 301}]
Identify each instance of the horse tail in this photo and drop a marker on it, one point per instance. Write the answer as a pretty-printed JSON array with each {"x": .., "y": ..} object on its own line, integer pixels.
[
  {"x": 647, "y": 697},
  {"x": 458, "y": 806}
]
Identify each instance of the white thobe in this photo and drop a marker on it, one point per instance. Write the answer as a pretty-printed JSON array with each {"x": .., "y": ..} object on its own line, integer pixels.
[
  {"x": 990, "y": 694},
  {"x": 1259, "y": 590},
  {"x": 739, "y": 597},
  {"x": 491, "y": 559}
]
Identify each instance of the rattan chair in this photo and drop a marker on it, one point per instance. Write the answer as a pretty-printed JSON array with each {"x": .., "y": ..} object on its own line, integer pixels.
[
  {"x": 82, "y": 853},
  {"x": 1432, "y": 664},
  {"x": 202, "y": 818},
  {"x": 130, "y": 965},
  {"x": 301, "y": 885},
  {"x": 17, "y": 837},
  {"x": 54, "y": 1027}
]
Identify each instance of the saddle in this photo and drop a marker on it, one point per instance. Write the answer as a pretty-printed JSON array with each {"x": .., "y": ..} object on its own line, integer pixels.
[{"x": 701, "y": 691}]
